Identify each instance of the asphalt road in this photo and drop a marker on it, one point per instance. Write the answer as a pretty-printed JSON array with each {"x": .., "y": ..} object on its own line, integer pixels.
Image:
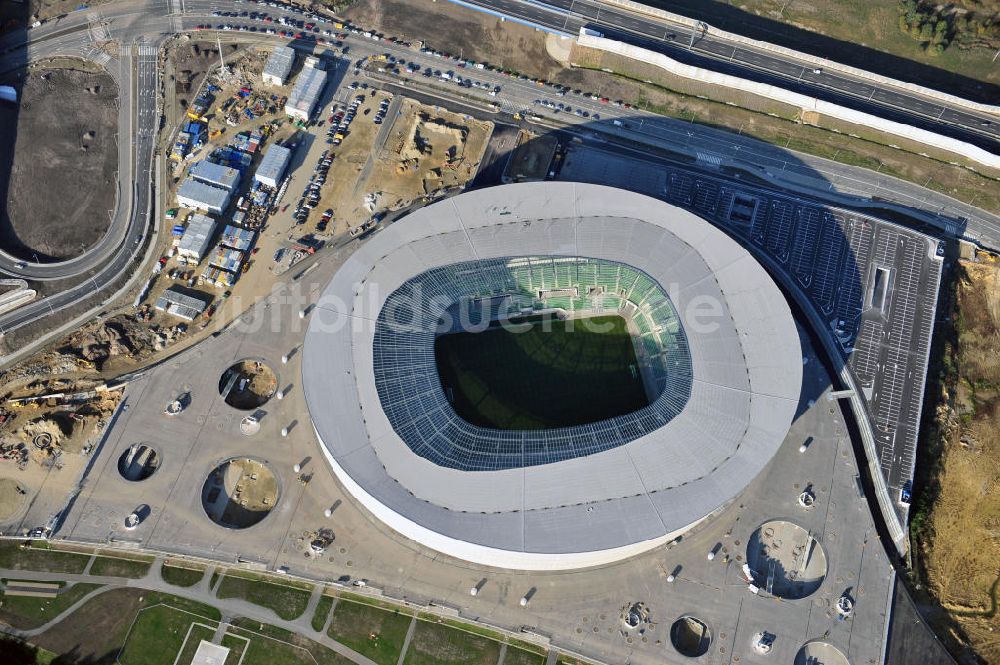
[
  {"x": 131, "y": 20},
  {"x": 140, "y": 63},
  {"x": 713, "y": 52}
]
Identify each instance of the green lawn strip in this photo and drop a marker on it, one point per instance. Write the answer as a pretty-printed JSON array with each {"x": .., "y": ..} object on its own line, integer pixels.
[
  {"x": 181, "y": 575},
  {"x": 322, "y": 611},
  {"x": 236, "y": 647},
  {"x": 158, "y": 631},
  {"x": 526, "y": 646},
  {"x": 442, "y": 644},
  {"x": 26, "y": 612},
  {"x": 114, "y": 566},
  {"x": 287, "y": 600},
  {"x": 515, "y": 656},
  {"x": 193, "y": 641},
  {"x": 14, "y": 556},
  {"x": 270, "y": 645},
  {"x": 215, "y": 578},
  {"x": 371, "y": 631}
]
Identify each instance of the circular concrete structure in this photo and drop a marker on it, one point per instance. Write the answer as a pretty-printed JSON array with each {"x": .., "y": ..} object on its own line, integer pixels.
[
  {"x": 820, "y": 653},
  {"x": 138, "y": 462},
  {"x": 690, "y": 636},
  {"x": 714, "y": 336},
  {"x": 248, "y": 384},
  {"x": 788, "y": 556},
  {"x": 239, "y": 493}
]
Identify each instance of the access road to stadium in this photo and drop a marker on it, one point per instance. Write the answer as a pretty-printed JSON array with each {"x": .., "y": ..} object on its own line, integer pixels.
[
  {"x": 128, "y": 21},
  {"x": 577, "y": 610},
  {"x": 713, "y": 51}
]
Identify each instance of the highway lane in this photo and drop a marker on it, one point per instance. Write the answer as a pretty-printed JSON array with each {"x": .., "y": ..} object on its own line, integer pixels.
[
  {"x": 712, "y": 52},
  {"x": 140, "y": 63},
  {"x": 75, "y": 38}
]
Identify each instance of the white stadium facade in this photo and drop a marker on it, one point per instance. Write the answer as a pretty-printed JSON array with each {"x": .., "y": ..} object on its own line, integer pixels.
[{"x": 718, "y": 345}]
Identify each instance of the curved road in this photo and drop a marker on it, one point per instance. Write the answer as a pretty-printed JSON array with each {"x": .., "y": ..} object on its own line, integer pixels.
[{"x": 131, "y": 23}]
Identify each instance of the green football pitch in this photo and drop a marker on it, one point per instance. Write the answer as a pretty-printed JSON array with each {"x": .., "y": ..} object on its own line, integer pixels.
[{"x": 541, "y": 375}]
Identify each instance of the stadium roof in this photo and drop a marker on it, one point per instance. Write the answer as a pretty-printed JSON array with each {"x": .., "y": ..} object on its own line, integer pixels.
[{"x": 643, "y": 489}]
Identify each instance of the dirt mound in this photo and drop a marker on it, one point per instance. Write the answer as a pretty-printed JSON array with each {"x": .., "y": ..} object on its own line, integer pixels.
[
  {"x": 121, "y": 337},
  {"x": 63, "y": 140},
  {"x": 248, "y": 384},
  {"x": 959, "y": 540}
]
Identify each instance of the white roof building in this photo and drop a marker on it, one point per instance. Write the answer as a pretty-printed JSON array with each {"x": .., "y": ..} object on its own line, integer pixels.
[
  {"x": 278, "y": 66},
  {"x": 197, "y": 237},
  {"x": 308, "y": 88},
  {"x": 272, "y": 166},
  {"x": 197, "y": 195},
  {"x": 214, "y": 174},
  {"x": 181, "y": 303}
]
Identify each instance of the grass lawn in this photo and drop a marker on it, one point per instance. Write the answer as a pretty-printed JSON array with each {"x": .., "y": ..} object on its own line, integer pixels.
[
  {"x": 40, "y": 558},
  {"x": 322, "y": 611},
  {"x": 96, "y": 631},
  {"x": 159, "y": 629},
  {"x": 236, "y": 647},
  {"x": 112, "y": 566},
  {"x": 354, "y": 624},
  {"x": 194, "y": 638},
  {"x": 270, "y": 645},
  {"x": 288, "y": 602},
  {"x": 439, "y": 644},
  {"x": 520, "y": 657},
  {"x": 26, "y": 612},
  {"x": 542, "y": 376},
  {"x": 180, "y": 576}
]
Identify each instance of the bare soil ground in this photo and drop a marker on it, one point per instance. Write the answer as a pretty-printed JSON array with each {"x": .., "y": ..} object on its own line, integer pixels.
[
  {"x": 261, "y": 384},
  {"x": 46, "y": 9},
  {"x": 65, "y": 154},
  {"x": 451, "y": 28},
  {"x": 959, "y": 538}
]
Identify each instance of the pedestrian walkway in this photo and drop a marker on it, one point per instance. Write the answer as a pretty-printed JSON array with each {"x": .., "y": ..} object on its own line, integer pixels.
[
  {"x": 229, "y": 607},
  {"x": 406, "y": 641}
]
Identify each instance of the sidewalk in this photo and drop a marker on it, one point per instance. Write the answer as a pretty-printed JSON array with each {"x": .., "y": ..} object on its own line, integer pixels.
[{"x": 231, "y": 607}]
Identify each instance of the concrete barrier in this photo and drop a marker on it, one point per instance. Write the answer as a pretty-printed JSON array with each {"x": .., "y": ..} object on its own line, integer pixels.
[
  {"x": 805, "y": 58},
  {"x": 805, "y": 102}
]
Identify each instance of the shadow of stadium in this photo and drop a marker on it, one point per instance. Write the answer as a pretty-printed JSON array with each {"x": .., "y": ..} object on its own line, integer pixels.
[{"x": 821, "y": 257}]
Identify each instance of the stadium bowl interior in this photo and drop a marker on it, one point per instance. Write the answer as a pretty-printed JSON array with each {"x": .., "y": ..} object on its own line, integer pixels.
[{"x": 715, "y": 337}]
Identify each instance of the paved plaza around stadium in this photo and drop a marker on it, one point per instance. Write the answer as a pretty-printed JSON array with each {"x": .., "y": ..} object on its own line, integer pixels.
[{"x": 578, "y": 609}]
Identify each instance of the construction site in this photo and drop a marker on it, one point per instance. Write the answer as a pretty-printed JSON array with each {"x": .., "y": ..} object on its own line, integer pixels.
[
  {"x": 418, "y": 154},
  {"x": 222, "y": 120}
]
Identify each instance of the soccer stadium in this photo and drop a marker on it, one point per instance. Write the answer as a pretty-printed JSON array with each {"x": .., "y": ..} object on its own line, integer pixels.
[{"x": 549, "y": 375}]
